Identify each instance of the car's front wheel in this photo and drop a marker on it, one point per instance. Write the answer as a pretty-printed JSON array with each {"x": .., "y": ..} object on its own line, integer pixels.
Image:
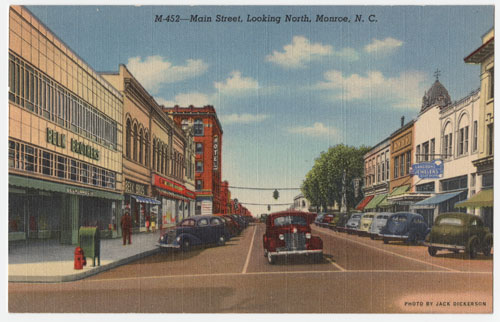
[
  {"x": 488, "y": 242},
  {"x": 271, "y": 258},
  {"x": 473, "y": 247},
  {"x": 221, "y": 241},
  {"x": 386, "y": 241},
  {"x": 186, "y": 244},
  {"x": 432, "y": 251}
]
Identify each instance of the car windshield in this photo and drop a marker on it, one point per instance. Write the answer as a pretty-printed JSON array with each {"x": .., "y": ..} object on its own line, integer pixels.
[
  {"x": 355, "y": 216},
  {"x": 369, "y": 216},
  {"x": 399, "y": 218},
  {"x": 290, "y": 220},
  {"x": 451, "y": 221}
]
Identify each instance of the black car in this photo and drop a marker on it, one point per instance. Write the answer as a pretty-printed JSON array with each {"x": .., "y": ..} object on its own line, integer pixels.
[{"x": 196, "y": 230}]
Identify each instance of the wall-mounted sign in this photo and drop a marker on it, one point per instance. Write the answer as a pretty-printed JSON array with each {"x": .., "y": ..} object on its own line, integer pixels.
[
  {"x": 428, "y": 170},
  {"x": 172, "y": 186},
  {"x": 84, "y": 149},
  {"x": 56, "y": 138},
  {"x": 135, "y": 188},
  {"x": 216, "y": 153},
  {"x": 80, "y": 192}
]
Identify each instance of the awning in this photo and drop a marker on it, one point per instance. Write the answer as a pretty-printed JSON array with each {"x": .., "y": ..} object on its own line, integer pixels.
[
  {"x": 146, "y": 200},
  {"x": 376, "y": 201},
  {"x": 25, "y": 182},
  {"x": 483, "y": 198},
  {"x": 399, "y": 190},
  {"x": 362, "y": 204},
  {"x": 437, "y": 199}
]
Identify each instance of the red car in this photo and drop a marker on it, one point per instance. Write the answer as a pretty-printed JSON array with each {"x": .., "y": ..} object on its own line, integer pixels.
[{"x": 289, "y": 233}]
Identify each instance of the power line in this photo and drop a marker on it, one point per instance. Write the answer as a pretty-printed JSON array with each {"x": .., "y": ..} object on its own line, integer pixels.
[
  {"x": 256, "y": 188},
  {"x": 265, "y": 204}
]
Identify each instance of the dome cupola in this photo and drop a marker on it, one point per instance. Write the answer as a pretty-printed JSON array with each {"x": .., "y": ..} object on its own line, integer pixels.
[{"x": 436, "y": 95}]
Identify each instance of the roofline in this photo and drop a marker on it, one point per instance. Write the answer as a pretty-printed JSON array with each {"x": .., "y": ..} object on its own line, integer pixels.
[{"x": 477, "y": 50}]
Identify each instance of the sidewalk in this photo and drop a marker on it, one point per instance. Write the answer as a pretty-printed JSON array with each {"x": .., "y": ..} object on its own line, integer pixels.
[{"x": 49, "y": 261}]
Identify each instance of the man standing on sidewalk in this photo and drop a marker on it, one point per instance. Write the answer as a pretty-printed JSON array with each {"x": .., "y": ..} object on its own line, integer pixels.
[{"x": 126, "y": 223}]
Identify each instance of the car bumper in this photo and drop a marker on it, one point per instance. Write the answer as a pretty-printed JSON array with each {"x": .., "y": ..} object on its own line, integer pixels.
[
  {"x": 168, "y": 245},
  {"x": 393, "y": 237},
  {"x": 296, "y": 252},
  {"x": 444, "y": 246}
]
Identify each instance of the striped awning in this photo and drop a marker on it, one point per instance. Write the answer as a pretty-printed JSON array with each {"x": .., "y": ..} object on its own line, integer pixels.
[
  {"x": 150, "y": 201},
  {"x": 362, "y": 204},
  {"x": 376, "y": 201},
  {"x": 437, "y": 199}
]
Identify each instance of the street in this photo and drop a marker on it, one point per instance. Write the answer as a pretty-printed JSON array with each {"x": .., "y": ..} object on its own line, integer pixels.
[{"x": 356, "y": 275}]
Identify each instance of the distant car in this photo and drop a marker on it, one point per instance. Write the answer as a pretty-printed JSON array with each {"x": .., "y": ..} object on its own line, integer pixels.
[
  {"x": 459, "y": 231},
  {"x": 289, "y": 233},
  {"x": 318, "y": 219},
  {"x": 379, "y": 222},
  {"x": 195, "y": 230},
  {"x": 352, "y": 225},
  {"x": 231, "y": 225},
  {"x": 404, "y": 226},
  {"x": 342, "y": 222},
  {"x": 336, "y": 220},
  {"x": 327, "y": 219},
  {"x": 365, "y": 222}
]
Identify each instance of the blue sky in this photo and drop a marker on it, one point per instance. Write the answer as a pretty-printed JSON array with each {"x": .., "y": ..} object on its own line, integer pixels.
[{"x": 283, "y": 92}]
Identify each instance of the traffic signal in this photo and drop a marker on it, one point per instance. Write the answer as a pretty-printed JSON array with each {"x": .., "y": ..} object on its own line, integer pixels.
[
  {"x": 276, "y": 194},
  {"x": 268, "y": 207}
]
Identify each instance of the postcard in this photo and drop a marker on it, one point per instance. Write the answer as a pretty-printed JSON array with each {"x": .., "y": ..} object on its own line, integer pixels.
[{"x": 250, "y": 159}]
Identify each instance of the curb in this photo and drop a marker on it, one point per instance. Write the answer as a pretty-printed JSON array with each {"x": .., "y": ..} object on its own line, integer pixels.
[{"x": 79, "y": 276}]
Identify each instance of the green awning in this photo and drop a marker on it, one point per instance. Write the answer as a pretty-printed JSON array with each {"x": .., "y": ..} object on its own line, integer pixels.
[
  {"x": 24, "y": 182},
  {"x": 399, "y": 190},
  {"x": 385, "y": 203},
  {"x": 483, "y": 198},
  {"x": 375, "y": 201}
]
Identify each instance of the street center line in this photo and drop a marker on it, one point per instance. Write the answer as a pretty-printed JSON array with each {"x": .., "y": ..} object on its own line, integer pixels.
[
  {"x": 335, "y": 264},
  {"x": 389, "y": 252},
  {"x": 249, "y": 252}
]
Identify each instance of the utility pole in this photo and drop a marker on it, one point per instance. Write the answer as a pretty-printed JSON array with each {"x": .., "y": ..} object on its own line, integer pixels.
[{"x": 343, "y": 207}]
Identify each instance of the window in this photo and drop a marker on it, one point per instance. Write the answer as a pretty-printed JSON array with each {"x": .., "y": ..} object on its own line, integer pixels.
[
  {"x": 215, "y": 221},
  {"x": 417, "y": 153},
  {"x": 489, "y": 135},
  {"x": 433, "y": 149},
  {"x": 199, "y": 184},
  {"x": 135, "y": 138},
  {"x": 474, "y": 137},
  {"x": 463, "y": 140},
  {"x": 425, "y": 187},
  {"x": 491, "y": 93},
  {"x": 153, "y": 165},
  {"x": 146, "y": 150},
  {"x": 198, "y": 127},
  {"x": 184, "y": 124},
  {"x": 401, "y": 165},
  {"x": 61, "y": 167},
  {"x": 396, "y": 167},
  {"x": 383, "y": 169},
  {"x": 199, "y": 148},
  {"x": 188, "y": 222},
  {"x": 408, "y": 162},
  {"x": 454, "y": 183},
  {"x": 379, "y": 169},
  {"x": 387, "y": 168},
  {"x": 141, "y": 146},
  {"x": 128, "y": 139},
  {"x": 425, "y": 151},
  {"x": 199, "y": 166},
  {"x": 203, "y": 222}
]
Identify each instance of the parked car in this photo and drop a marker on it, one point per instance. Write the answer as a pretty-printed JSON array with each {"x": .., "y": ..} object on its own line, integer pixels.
[
  {"x": 365, "y": 222},
  {"x": 318, "y": 219},
  {"x": 459, "y": 231},
  {"x": 379, "y": 222},
  {"x": 196, "y": 230},
  {"x": 333, "y": 223},
  {"x": 352, "y": 225},
  {"x": 289, "y": 233},
  {"x": 342, "y": 222},
  {"x": 326, "y": 220},
  {"x": 404, "y": 226},
  {"x": 231, "y": 226}
]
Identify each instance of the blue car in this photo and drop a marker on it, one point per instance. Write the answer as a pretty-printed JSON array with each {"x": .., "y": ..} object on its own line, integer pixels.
[
  {"x": 404, "y": 226},
  {"x": 196, "y": 230}
]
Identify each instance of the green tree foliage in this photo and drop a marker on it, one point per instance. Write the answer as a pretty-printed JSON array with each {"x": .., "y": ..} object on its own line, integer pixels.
[{"x": 323, "y": 183}]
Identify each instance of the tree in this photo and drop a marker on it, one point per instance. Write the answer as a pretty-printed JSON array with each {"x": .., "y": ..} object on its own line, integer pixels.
[{"x": 323, "y": 183}]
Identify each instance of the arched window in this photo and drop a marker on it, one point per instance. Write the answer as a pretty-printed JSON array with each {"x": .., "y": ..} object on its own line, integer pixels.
[
  {"x": 153, "y": 165},
  {"x": 165, "y": 157},
  {"x": 128, "y": 135},
  {"x": 146, "y": 150},
  {"x": 135, "y": 143},
  {"x": 184, "y": 124},
  {"x": 161, "y": 159},
  {"x": 463, "y": 135},
  {"x": 448, "y": 140},
  {"x": 198, "y": 127},
  {"x": 141, "y": 146}
]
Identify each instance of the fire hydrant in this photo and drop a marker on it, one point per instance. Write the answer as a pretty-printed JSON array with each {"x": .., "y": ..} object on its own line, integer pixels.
[{"x": 80, "y": 260}]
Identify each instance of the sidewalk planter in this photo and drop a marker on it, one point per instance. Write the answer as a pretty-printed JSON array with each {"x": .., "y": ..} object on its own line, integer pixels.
[{"x": 90, "y": 242}]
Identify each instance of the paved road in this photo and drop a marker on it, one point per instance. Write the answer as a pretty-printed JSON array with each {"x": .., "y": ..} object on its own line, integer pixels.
[{"x": 356, "y": 275}]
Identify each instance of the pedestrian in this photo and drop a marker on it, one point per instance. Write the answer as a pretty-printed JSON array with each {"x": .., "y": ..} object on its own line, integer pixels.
[
  {"x": 147, "y": 223},
  {"x": 153, "y": 224},
  {"x": 126, "y": 223}
]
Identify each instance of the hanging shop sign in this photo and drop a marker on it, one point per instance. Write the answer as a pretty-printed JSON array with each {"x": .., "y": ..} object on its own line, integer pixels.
[
  {"x": 428, "y": 170},
  {"x": 172, "y": 186},
  {"x": 216, "y": 153},
  {"x": 84, "y": 149},
  {"x": 135, "y": 188},
  {"x": 56, "y": 138}
]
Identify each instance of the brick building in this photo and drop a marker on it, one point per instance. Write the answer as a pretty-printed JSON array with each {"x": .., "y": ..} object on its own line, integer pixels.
[{"x": 208, "y": 151}]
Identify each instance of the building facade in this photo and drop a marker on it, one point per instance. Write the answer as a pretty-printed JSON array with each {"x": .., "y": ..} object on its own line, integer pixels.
[
  {"x": 300, "y": 203},
  {"x": 484, "y": 56},
  {"x": 155, "y": 167},
  {"x": 65, "y": 138},
  {"x": 377, "y": 164},
  {"x": 208, "y": 154}
]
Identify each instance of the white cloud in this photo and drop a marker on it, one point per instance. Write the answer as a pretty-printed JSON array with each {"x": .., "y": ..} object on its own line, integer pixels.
[
  {"x": 235, "y": 84},
  {"x": 243, "y": 118},
  {"x": 318, "y": 129},
  {"x": 186, "y": 99},
  {"x": 154, "y": 71},
  {"x": 383, "y": 46},
  {"x": 405, "y": 90},
  {"x": 301, "y": 51}
]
